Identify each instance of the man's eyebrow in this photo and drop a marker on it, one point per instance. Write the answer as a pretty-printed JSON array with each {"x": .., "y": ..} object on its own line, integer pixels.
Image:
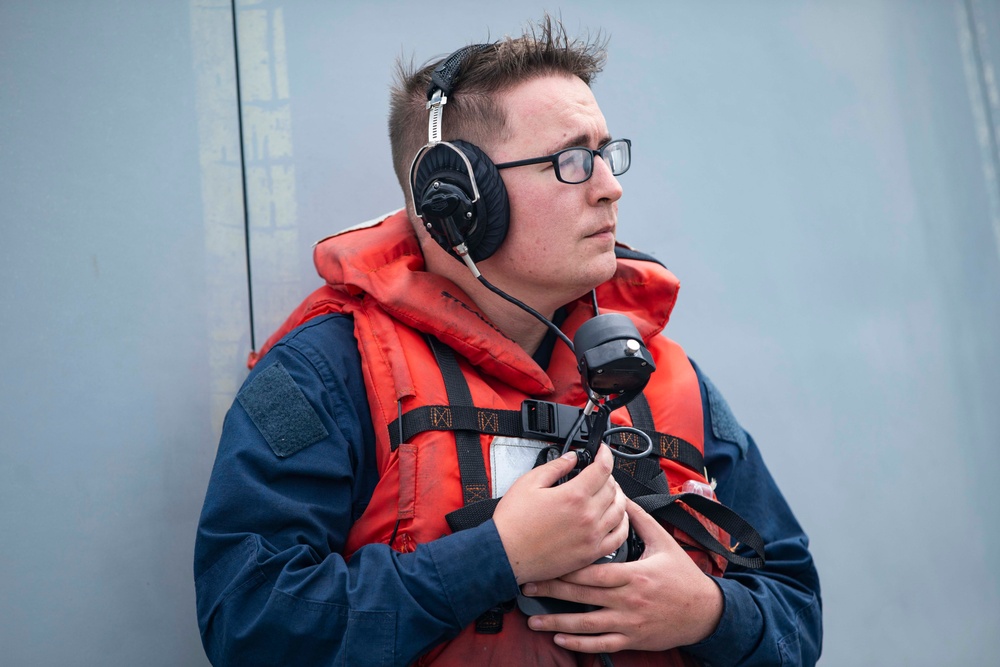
[{"x": 579, "y": 140}]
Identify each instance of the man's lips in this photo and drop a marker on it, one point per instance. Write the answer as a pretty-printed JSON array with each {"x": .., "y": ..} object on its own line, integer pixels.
[{"x": 608, "y": 229}]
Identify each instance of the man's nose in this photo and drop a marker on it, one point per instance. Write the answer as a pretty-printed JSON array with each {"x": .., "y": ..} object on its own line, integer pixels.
[{"x": 603, "y": 183}]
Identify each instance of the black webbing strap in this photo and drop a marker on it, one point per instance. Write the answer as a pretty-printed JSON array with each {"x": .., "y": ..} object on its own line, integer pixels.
[
  {"x": 667, "y": 508},
  {"x": 455, "y": 418},
  {"x": 664, "y": 445},
  {"x": 640, "y": 477},
  {"x": 648, "y": 487},
  {"x": 642, "y": 416},
  {"x": 472, "y": 468},
  {"x": 491, "y": 620},
  {"x": 510, "y": 423},
  {"x": 471, "y": 514}
]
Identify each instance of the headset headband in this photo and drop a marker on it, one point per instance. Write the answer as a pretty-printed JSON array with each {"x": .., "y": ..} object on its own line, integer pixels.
[
  {"x": 440, "y": 86},
  {"x": 446, "y": 178},
  {"x": 443, "y": 77}
]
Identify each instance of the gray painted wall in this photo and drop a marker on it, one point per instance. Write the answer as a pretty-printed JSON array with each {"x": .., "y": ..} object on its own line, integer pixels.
[{"x": 824, "y": 178}]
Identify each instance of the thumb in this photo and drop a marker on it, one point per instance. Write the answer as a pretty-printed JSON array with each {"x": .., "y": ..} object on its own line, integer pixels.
[
  {"x": 548, "y": 474},
  {"x": 649, "y": 529}
]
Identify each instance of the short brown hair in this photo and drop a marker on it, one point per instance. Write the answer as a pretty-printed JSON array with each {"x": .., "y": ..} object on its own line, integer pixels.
[{"x": 473, "y": 112}]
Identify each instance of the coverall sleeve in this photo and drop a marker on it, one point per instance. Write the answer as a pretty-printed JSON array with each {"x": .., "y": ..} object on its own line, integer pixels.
[
  {"x": 294, "y": 469},
  {"x": 773, "y": 615}
]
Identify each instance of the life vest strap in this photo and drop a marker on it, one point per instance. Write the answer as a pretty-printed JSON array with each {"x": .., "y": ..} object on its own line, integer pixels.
[
  {"x": 530, "y": 422},
  {"x": 648, "y": 487},
  {"x": 472, "y": 468},
  {"x": 472, "y": 514},
  {"x": 670, "y": 509}
]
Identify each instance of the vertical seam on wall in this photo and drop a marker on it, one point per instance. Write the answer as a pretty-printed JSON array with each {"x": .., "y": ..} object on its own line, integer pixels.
[
  {"x": 268, "y": 169},
  {"x": 222, "y": 196},
  {"x": 243, "y": 173}
]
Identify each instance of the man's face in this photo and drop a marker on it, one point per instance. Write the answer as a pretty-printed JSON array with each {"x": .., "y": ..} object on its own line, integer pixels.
[{"x": 561, "y": 239}]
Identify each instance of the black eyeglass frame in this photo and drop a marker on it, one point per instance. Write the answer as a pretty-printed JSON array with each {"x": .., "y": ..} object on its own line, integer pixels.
[{"x": 554, "y": 159}]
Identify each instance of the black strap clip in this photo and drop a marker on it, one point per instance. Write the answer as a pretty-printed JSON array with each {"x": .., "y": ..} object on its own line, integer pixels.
[
  {"x": 491, "y": 621},
  {"x": 543, "y": 420}
]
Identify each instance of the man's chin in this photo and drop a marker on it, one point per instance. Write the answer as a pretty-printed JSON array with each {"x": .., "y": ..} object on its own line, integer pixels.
[{"x": 603, "y": 270}]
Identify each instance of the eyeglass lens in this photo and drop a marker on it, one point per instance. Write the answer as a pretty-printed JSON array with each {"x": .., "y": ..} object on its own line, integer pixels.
[{"x": 577, "y": 164}]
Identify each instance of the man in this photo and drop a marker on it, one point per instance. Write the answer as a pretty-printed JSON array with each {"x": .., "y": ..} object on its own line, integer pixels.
[{"x": 333, "y": 529}]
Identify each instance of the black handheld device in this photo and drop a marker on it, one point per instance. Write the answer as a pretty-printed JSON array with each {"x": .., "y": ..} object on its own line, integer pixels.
[{"x": 615, "y": 367}]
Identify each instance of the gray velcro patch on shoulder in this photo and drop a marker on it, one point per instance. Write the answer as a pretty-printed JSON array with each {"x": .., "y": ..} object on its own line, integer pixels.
[
  {"x": 281, "y": 411},
  {"x": 724, "y": 424}
]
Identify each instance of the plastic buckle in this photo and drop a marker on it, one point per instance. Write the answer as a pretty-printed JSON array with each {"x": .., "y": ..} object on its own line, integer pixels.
[{"x": 544, "y": 420}]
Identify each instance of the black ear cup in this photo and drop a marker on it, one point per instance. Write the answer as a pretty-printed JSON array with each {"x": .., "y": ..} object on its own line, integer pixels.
[
  {"x": 443, "y": 195},
  {"x": 493, "y": 194}
]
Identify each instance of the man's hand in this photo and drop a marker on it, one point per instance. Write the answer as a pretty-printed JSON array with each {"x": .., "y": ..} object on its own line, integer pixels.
[
  {"x": 548, "y": 531},
  {"x": 658, "y": 602}
]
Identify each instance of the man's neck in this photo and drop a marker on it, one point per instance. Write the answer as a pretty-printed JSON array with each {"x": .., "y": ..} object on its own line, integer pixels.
[{"x": 516, "y": 323}]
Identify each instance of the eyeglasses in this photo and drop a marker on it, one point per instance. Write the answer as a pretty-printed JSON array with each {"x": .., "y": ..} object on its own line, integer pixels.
[{"x": 576, "y": 165}]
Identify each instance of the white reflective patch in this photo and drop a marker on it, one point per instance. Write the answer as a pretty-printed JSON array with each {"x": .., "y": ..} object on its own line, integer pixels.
[
  {"x": 510, "y": 458},
  {"x": 361, "y": 225}
]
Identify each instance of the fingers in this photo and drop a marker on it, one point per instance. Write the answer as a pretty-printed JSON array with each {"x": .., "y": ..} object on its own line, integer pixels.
[
  {"x": 604, "y": 575},
  {"x": 597, "y": 491},
  {"x": 595, "y": 481},
  {"x": 657, "y": 539},
  {"x": 651, "y": 532},
  {"x": 585, "y": 633},
  {"x": 658, "y": 602},
  {"x": 595, "y": 475},
  {"x": 548, "y": 531},
  {"x": 616, "y": 523},
  {"x": 590, "y": 479},
  {"x": 550, "y": 473},
  {"x": 593, "y": 496},
  {"x": 606, "y": 643},
  {"x": 586, "y": 586}
]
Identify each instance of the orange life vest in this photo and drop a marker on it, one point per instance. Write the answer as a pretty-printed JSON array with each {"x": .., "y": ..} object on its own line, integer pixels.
[{"x": 375, "y": 274}]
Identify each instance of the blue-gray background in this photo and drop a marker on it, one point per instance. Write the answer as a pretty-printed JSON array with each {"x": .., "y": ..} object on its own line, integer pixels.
[{"x": 824, "y": 177}]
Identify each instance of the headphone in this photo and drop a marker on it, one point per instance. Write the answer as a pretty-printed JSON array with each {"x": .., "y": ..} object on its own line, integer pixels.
[{"x": 456, "y": 189}]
